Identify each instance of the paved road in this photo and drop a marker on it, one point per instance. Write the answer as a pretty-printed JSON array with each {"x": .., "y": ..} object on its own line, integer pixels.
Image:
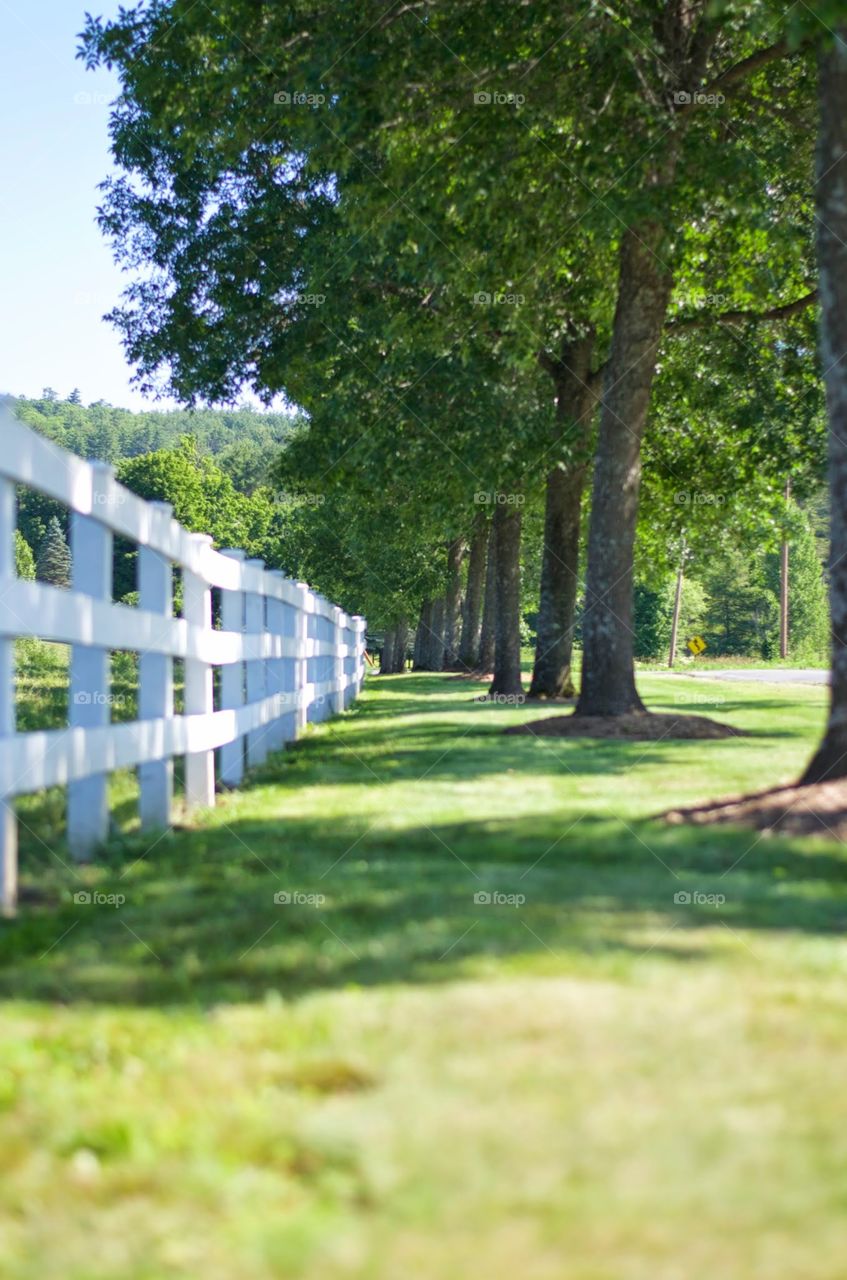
[{"x": 764, "y": 675}]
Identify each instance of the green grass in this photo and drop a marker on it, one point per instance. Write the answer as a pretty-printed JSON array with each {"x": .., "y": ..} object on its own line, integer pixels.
[{"x": 597, "y": 1082}]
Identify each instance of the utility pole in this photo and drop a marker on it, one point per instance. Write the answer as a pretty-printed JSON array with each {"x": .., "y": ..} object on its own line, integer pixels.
[
  {"x": 783, "y": 587},
  {"x": 677, "y": 605}
]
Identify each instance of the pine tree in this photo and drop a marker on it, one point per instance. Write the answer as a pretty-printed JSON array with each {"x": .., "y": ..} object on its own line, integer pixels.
[{"x": 54, "y": 557}]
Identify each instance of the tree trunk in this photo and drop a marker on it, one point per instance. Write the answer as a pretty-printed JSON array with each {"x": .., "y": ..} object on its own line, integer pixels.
[
  {"x": 436, "y": 643},
  {"x": 830, "y": 760},
  {"x": 422, "y": 637},
  {"x": 401, "y": 641},
  {"x": 386, "y": 661},
  {"x": 507, "y": 631},
  {"x": 487, "y": 633},
  {"x": 677, "y": 607},
  {"x": 551, "y": 673},
  {"x": 455, "y": 556},
  {"x": 783, "y": 586},
  {"x": 608, "y": 671},
  {"x": 472, "y": 609}
]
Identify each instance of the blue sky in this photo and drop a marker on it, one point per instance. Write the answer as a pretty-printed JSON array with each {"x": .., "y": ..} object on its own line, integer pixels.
[{"x": 57, "y": 277}]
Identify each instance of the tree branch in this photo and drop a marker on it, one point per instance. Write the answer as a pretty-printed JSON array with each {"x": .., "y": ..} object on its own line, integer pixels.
[
  {"x": 748, "y": 66},
  {"x": 783, "y": 312}
]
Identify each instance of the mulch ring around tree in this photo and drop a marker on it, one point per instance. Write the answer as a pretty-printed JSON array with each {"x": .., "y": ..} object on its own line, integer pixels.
[
  {"x": 819, "y": 809},
  {"x": 638, "y": 726}
]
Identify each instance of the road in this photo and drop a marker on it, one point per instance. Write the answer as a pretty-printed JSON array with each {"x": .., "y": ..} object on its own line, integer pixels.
[{"x": 764, "y": 675}]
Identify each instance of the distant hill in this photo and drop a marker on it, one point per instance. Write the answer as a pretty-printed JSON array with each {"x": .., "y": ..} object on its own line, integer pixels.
[{"x": 243, "y": 440}]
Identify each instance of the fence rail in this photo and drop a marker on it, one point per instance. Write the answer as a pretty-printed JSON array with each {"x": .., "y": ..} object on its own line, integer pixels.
[{"x": 285, "y": 654}]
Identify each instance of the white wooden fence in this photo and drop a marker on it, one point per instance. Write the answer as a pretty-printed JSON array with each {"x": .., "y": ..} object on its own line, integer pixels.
[{"x": 286, "y": 654}]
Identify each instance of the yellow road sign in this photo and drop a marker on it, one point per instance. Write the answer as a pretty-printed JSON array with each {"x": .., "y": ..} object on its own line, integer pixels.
[{"x": 697, "y": 644}]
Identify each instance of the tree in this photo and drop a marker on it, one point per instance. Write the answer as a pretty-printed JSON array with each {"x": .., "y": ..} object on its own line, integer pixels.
[
  {"x": 474, "y": 591},
  {"x": 808, "y": 610},
  {"x": 830, "y": 760},
  {"x": 24, "y": 559},
  {"x": 575, "y": 403},
  {"x": 54, "y": 557}
]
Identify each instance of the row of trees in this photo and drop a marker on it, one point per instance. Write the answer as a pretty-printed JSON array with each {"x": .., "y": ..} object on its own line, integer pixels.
[
  {"x": 543, "y": 243},
  {"x": 731, "y": 598}
]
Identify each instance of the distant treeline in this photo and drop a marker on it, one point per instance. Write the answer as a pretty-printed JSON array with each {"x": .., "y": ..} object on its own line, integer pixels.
[
  {"x": 212, "y": 465},
  {"x": 243, "y": 441}
]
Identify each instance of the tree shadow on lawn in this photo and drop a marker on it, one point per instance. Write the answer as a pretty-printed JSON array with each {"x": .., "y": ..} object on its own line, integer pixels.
[
  {"x": 360, "y": 750},
  {"x": 200, "y": 924},
  {"x": 423, "y": 697}
]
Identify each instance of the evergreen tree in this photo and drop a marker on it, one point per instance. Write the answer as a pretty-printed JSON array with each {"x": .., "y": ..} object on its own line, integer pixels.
[{"x": 54, "y": 557}]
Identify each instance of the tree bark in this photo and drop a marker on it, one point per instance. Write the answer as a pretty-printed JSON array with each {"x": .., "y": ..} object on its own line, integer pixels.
[
  {"x": 608, "y": 674},
  {"x": 507, "y": 631},
  {"x": 436, "y": 639},
  {"x": 386, "y": 661},
  {"x": 487, "y": 634},
  {"x": 783, "y": 585},
  {"x": 455, "y": 556},
  {"x": 472, "y": 608},
  {"x": 422, "y": 637},
  {"x": 401, "y": 641},
  {"x": 830, "y": 760},
  {"x": 551, "y": 673}
]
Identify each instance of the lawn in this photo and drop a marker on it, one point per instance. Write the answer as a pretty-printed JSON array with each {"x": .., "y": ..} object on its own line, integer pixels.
[{"x": 483, "y": 1037}]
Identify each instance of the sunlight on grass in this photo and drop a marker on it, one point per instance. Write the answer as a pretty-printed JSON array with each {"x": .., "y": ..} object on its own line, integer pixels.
[{"x": 420, "y": 1000}]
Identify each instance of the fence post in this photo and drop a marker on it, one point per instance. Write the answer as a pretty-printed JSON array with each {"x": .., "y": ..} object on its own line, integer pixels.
[
  {"x": 301, "y": 634},
  {"x": 254, "y": 623},
  {"x": 91, "y": 550},
  {"x": 8, "y": 820},
  {"x": 276, "y": 667},
  {"x": 197, "y": 611},
  {"x": 351, "y": 642},
  {"x": 337, "y": 703},
  {"x": 232, "y": 680},
  {"x": 361, "y": 628},
  {"x": 156, "y": 684}
]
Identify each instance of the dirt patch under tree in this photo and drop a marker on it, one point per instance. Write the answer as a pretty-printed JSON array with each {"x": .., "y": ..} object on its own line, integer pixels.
[{"x": 638, "y": 726}]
